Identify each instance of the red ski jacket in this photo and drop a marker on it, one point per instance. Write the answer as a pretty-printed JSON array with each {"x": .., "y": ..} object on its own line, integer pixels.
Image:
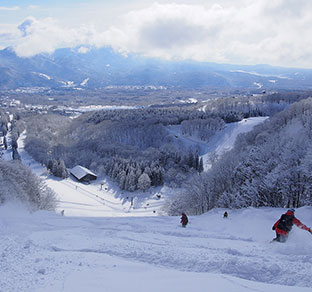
[
  {"x": 294, "y": 221},
  {"x": 184, "y": 219}
]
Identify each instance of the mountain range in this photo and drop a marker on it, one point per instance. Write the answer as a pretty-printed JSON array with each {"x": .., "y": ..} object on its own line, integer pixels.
[{"x": 97, "y": 68}]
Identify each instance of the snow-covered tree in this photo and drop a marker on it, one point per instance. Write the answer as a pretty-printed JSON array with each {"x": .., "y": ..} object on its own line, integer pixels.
[
  {"x": 201, "y": 165},
  {"x": 131, "y": 181},
  {"x": 144, "y": 182},
  {"x": 59, "y": 169},
  {"x": 18, "y": 182}
]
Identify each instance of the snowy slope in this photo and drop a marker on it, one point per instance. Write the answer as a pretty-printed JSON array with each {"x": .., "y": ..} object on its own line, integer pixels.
[
  {"x": 101, "y": 198},
  {"x": 48, "y": 252},
  {"x": 222, "y": 141},
  {"x": 106, "y": 200},
  {"x": 97, "y": 246}
]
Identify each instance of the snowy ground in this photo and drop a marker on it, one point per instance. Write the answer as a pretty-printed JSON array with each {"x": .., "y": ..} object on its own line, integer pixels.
[
  {"x": 101, "y": 198},
  {"x": 46, "y": 252},
  {"x": 105, "y": 244}
]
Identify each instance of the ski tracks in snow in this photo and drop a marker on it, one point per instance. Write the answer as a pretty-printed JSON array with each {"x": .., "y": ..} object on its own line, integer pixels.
[
  {"x": 43, "y": 248},
  {"x": 190, "y": 250}
]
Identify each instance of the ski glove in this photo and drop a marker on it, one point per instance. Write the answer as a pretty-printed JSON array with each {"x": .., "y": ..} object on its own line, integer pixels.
[
  {"x": 310, "y": 230},
  {"x": 273, "y": 228}
]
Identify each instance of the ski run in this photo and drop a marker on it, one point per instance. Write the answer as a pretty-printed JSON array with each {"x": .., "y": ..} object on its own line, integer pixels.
[{"x": 109, "y": 240}]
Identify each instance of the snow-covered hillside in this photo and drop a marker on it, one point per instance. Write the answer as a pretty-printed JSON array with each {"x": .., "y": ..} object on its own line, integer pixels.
[
  {"x": 106, "y": 243},
  {"x": 222, "y": 141},
  {"x": 103, "y": 198},
  {"x": 48, "y": 252}
]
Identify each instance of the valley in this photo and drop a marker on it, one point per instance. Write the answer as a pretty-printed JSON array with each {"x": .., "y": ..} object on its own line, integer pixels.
[{"x": 155, "y": 146}]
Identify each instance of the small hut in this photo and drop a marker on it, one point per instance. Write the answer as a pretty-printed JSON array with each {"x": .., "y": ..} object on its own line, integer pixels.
[{"x": 82, "y": 174}]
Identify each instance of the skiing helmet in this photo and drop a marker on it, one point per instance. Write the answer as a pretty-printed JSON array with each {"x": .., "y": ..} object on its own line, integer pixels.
[{"x": 292, "y": 210}]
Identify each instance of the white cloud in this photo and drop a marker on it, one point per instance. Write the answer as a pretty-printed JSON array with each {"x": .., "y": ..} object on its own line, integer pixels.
[
  {"x": 13, "y": 8},
  {"x": 268, "y": 31},
  {"x": 83, "y": 50},
  {"x": 167, "y": 31},
  {"x": 46, "y": 35},
  {"x": 8, "y": 35}
]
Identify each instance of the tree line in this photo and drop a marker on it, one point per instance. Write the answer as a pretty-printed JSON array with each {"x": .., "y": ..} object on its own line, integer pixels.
[
  {"x": 132, "y": 143},
  {"x": 18, "y": 182},
  {"x": 269, "y": 166}
]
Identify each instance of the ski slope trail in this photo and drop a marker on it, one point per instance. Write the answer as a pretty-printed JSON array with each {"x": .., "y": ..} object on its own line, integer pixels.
[
  {"x": 106, "y": 243},
  {"x": 100, "y": 198},
  {"x": 46, "y": 252},
  {"x": 224, "y": 140},
  {"x": 221, "y": 142}
]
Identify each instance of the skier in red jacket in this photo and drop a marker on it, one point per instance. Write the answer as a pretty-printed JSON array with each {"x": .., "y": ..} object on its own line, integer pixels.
[
  {"x": 184, "y": 220},
  {"x": 283, "y": 225}
]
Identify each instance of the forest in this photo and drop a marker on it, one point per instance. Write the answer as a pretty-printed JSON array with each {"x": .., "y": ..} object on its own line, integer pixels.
[
  {"x": 133, "y": 146},
  {"x": 19, "y": 183},
  {"x": 269, "y": 166}
]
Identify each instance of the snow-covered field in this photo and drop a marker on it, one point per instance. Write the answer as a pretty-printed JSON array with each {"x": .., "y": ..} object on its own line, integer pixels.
[
  {"x": 45, "y": 251},
  {"x": 103, "y": 243},
  {"x": 101, "y": 198}
]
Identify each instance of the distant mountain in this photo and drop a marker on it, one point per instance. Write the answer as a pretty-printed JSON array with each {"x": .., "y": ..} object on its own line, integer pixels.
[{"x": 67, "y": 68}]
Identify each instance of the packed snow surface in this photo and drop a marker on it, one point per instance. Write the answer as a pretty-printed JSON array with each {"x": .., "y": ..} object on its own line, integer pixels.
[
  {"x": 109, "y": 240},
  {"x": 45, "y": 251}
]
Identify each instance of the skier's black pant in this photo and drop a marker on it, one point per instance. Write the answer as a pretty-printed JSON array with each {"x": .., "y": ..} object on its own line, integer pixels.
[{"x": 280, "y": 237}]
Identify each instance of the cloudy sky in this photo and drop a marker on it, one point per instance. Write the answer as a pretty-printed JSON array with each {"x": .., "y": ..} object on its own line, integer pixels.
[{"x": 277, "y": 32}]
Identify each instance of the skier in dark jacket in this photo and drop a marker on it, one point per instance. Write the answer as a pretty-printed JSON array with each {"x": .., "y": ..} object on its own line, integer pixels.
[
  {"x": 184, "y": 220},
  {"x": 283, "y": 225}
]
